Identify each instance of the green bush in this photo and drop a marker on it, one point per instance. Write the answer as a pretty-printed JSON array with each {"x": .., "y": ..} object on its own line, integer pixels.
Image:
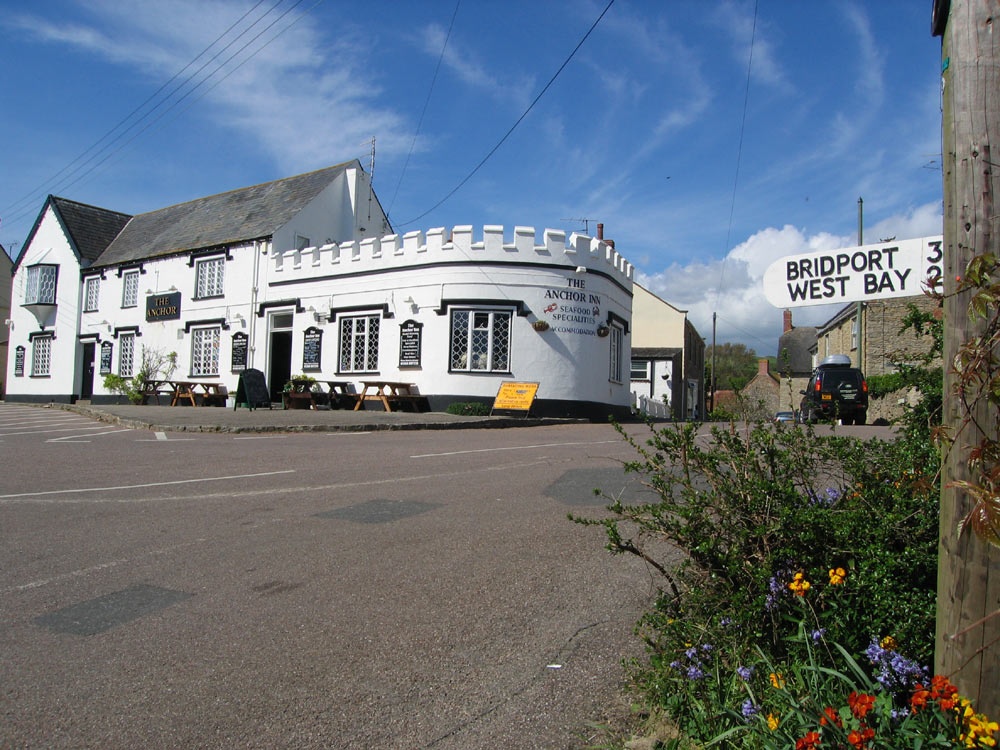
[
  {"x": 761, "y": 517},
  {"x": 468, "y": 409}
]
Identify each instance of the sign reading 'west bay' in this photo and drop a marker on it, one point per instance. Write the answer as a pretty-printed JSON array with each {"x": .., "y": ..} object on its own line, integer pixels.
[{"x": 854, "y": 274}]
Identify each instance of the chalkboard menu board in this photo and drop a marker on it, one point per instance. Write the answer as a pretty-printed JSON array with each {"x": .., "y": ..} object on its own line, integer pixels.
[
  {"x": 409, "y": 343},
  {"x": 312, "y": 350},
  {"x": 19, "y": 362},
  {"x": 239, "y": 352},
  {"x": 251, "y": 391},
  {"x": 106, "y": 348}
]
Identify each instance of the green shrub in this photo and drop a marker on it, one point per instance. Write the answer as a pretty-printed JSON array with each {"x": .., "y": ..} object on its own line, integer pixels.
[
  {"x": 468, "y": 409},
  {"x": 759, "y": 516}
]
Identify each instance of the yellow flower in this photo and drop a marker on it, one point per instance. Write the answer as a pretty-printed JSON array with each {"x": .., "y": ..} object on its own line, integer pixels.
[
  {"x": 837, "y": 576},
  {"x": 889, "y": 643},
  {"x": 799, "y": 584},
  {"x": 772, "y": 722},
  {"x": 777, "y": 681}
]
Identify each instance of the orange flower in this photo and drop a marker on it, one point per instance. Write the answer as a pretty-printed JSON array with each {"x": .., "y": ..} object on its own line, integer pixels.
[
  {"x": 830, "y": 716},
  {"x": 837, "y": 576},
  {"x": 777, "y": 681},
  {"x": 809, "y": 742},
  {"x": 889, "y": 643},
  {"x": 860, "y": 704},
  {"x": 799, "y": 584},
  {"x": 859, "y": 739},
  {"x": 918, "y": 701}
]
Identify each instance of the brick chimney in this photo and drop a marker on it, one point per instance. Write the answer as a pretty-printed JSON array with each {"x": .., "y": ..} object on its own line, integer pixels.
[
  {"x": 600, "y": 236},
  {"x": 788, "y": 321},
  {"x": 763, "y": 367}
]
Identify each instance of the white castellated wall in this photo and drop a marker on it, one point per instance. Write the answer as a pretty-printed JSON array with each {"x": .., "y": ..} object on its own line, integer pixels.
[
  {"x": 579, "y": 289},
  {"x": 437, "y": 245}
]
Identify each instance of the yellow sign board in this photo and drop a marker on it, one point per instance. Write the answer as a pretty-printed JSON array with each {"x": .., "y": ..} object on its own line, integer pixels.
[{"x": 515, "y": 396}]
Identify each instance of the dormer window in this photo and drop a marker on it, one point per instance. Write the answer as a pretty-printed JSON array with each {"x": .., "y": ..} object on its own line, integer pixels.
[{"x": 40, "y": 288}]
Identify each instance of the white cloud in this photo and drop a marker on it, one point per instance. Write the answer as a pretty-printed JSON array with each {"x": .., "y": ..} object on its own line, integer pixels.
[
  {"x": 299, "y": 95},
  {"x": 732, "y": 289}
]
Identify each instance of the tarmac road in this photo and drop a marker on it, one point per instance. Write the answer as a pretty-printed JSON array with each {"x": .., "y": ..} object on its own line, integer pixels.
[{"x": 178, "y": 586}]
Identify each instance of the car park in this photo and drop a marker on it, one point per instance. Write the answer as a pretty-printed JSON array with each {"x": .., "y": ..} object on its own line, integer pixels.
[{"x": 835, "y": 391}]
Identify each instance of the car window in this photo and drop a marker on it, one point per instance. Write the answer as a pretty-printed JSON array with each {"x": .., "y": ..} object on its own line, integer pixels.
[{"x": 835, "y": 379}]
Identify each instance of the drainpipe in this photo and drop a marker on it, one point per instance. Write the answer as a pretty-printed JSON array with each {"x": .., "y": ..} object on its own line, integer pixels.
[{"x": 860, "y": 307}]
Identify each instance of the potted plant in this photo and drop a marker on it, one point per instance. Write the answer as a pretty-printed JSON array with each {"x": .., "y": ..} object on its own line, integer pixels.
[
  {"x": 540, "y": 325},
  {"x": 298, "y": 392}
]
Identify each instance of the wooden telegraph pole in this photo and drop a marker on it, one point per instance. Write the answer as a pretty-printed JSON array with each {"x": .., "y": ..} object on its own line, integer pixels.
[{"x": 967, "y": 645}]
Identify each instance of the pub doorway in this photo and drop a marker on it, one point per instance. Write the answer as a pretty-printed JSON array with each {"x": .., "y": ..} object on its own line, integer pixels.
[
  {"x": 280, "y": 353},
  {"x": 87, "y": 380}
]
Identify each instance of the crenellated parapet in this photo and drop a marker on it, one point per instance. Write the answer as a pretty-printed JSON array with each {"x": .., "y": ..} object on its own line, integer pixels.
[{"x": 459, "y": 245}]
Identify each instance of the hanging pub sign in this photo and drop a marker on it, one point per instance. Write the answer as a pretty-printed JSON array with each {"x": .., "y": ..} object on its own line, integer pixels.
[
  {"x": 312, "y": 349},
  {"x": 161, "y": 307},
  {"x": 106, "y": 348},
  {"x": 19, "y": 362},
  {"x": 409, "y": 343},
  {"x": 239, "y": 359}
]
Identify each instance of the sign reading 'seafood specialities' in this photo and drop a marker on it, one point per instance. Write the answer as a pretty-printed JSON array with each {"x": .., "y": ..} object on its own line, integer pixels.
[{"x": 854, "y": 274}]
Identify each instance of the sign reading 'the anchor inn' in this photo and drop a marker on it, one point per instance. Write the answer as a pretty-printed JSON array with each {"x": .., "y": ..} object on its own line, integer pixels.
[{"x": 163, "y": 307}]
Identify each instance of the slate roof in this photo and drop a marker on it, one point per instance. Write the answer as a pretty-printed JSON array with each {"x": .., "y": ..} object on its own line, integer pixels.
[
  {"x": 227, "y": 218},
  {"x": 654, "y": 352},
  {"x": 90, "y": 229},
  {"x": 793, "y": 350}
]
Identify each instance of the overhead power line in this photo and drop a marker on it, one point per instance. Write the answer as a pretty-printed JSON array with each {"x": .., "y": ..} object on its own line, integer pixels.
[
  {"x": 116, "y": 139},
  {"x": 513, "y": 127}
]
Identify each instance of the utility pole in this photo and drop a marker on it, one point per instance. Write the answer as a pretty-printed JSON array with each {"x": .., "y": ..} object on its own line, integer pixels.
[{"x": 967, "y": 646}]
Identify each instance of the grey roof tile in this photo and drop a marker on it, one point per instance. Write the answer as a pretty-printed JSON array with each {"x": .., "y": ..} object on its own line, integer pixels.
[{"x": 227, "y": 218}]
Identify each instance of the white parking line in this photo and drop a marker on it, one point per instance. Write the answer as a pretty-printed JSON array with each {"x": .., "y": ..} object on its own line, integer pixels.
[
  {"x": 73, "y": 438},
  {"x": 513, "y": 448},
  {"x": 78, "y": 490}
]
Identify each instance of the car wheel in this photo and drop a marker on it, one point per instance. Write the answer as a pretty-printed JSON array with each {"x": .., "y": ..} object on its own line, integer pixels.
[
  {"x": 847, "y": 421},
  {"x": 861, "y": 417}
]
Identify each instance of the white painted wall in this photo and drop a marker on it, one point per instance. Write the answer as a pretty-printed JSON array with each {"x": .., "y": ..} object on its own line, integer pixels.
[{"x": 48, "y": 245}]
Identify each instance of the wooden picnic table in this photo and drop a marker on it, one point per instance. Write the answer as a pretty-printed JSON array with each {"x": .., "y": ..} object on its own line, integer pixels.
[
  {"x": 390, "y": 393},
  {"x": 341, "y": 393},
  {"x": 195, "y": 391}
]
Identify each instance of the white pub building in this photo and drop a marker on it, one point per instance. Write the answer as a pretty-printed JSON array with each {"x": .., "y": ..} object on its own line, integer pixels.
[{"x": 304, "y": 275}]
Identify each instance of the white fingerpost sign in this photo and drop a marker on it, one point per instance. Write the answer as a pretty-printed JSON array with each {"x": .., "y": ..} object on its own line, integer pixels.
[{"x": 854, "y": 274}]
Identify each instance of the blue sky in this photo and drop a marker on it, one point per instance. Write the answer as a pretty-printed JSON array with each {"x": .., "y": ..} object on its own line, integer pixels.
[{"x": 702, "y": 175}]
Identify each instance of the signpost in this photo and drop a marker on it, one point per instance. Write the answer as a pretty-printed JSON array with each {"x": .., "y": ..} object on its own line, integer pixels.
[{"x": 854, "y": 274}]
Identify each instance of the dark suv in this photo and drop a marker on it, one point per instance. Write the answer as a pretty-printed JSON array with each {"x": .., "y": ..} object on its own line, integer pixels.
[{"x": 835, "y": 391}]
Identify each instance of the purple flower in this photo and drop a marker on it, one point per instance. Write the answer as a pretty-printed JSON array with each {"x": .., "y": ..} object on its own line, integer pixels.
[
  {"x": 896, "y": 673},
  {"x": 818, "y": 634},
  {"x": 749, "y": 710},
  {"x": 691, "y": 653},
  {"x": 745, "y": 673},
  {"x": 695, "y": 672}
]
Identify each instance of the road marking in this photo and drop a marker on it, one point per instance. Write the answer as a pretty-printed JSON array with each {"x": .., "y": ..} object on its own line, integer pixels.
[
  {"x": 143, "y": 486},
  {"x": 95, "y": 568},
  {"x": 73, "y": 438},
  {"x": 261, "y": 437},
  {"x": 161, "y": 436},
  {"x": 513, "y": 448},
  {"x": 244, "y": 494}
]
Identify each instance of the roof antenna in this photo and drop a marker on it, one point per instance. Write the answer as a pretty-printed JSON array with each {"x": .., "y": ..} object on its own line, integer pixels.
[{"x": 585, "y": 222}]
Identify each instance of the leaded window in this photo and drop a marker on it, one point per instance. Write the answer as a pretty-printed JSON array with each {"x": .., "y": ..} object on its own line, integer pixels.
[
  {"x": 615, "y": 374},
  {"x": 126, "y": 355},
  {"x": 40, "y": 288},
  {"x": 205, "y": 351},
  {"x": 209, "y": 277},
  {"x": 130, "y": 289},
  {"x": 480, "y": 340},
  {"x": 91, "y": 294},
  {"x": 359, "y": 343},
  {"x": 41, "y": 355}
]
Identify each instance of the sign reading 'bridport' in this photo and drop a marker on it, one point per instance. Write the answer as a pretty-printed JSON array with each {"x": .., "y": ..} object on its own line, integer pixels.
[{"x": 854, "y": 274}]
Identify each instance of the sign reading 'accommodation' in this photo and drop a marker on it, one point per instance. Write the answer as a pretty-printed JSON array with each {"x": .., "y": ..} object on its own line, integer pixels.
[{"x": 854, "y": 274}]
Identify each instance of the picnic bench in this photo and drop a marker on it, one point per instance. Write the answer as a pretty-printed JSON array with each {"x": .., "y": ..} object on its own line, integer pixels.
[
  {"x": 191, "y": 392},
  {"x": 391, "y": 394}
]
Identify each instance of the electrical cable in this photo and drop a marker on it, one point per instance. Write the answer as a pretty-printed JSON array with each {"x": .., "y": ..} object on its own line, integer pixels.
[
  {"x": 739, "y": 158},
  {"x": 531, "y": 106},
  {"x": 423, "y": 112},
  {"x": 27, "y": 203}
]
